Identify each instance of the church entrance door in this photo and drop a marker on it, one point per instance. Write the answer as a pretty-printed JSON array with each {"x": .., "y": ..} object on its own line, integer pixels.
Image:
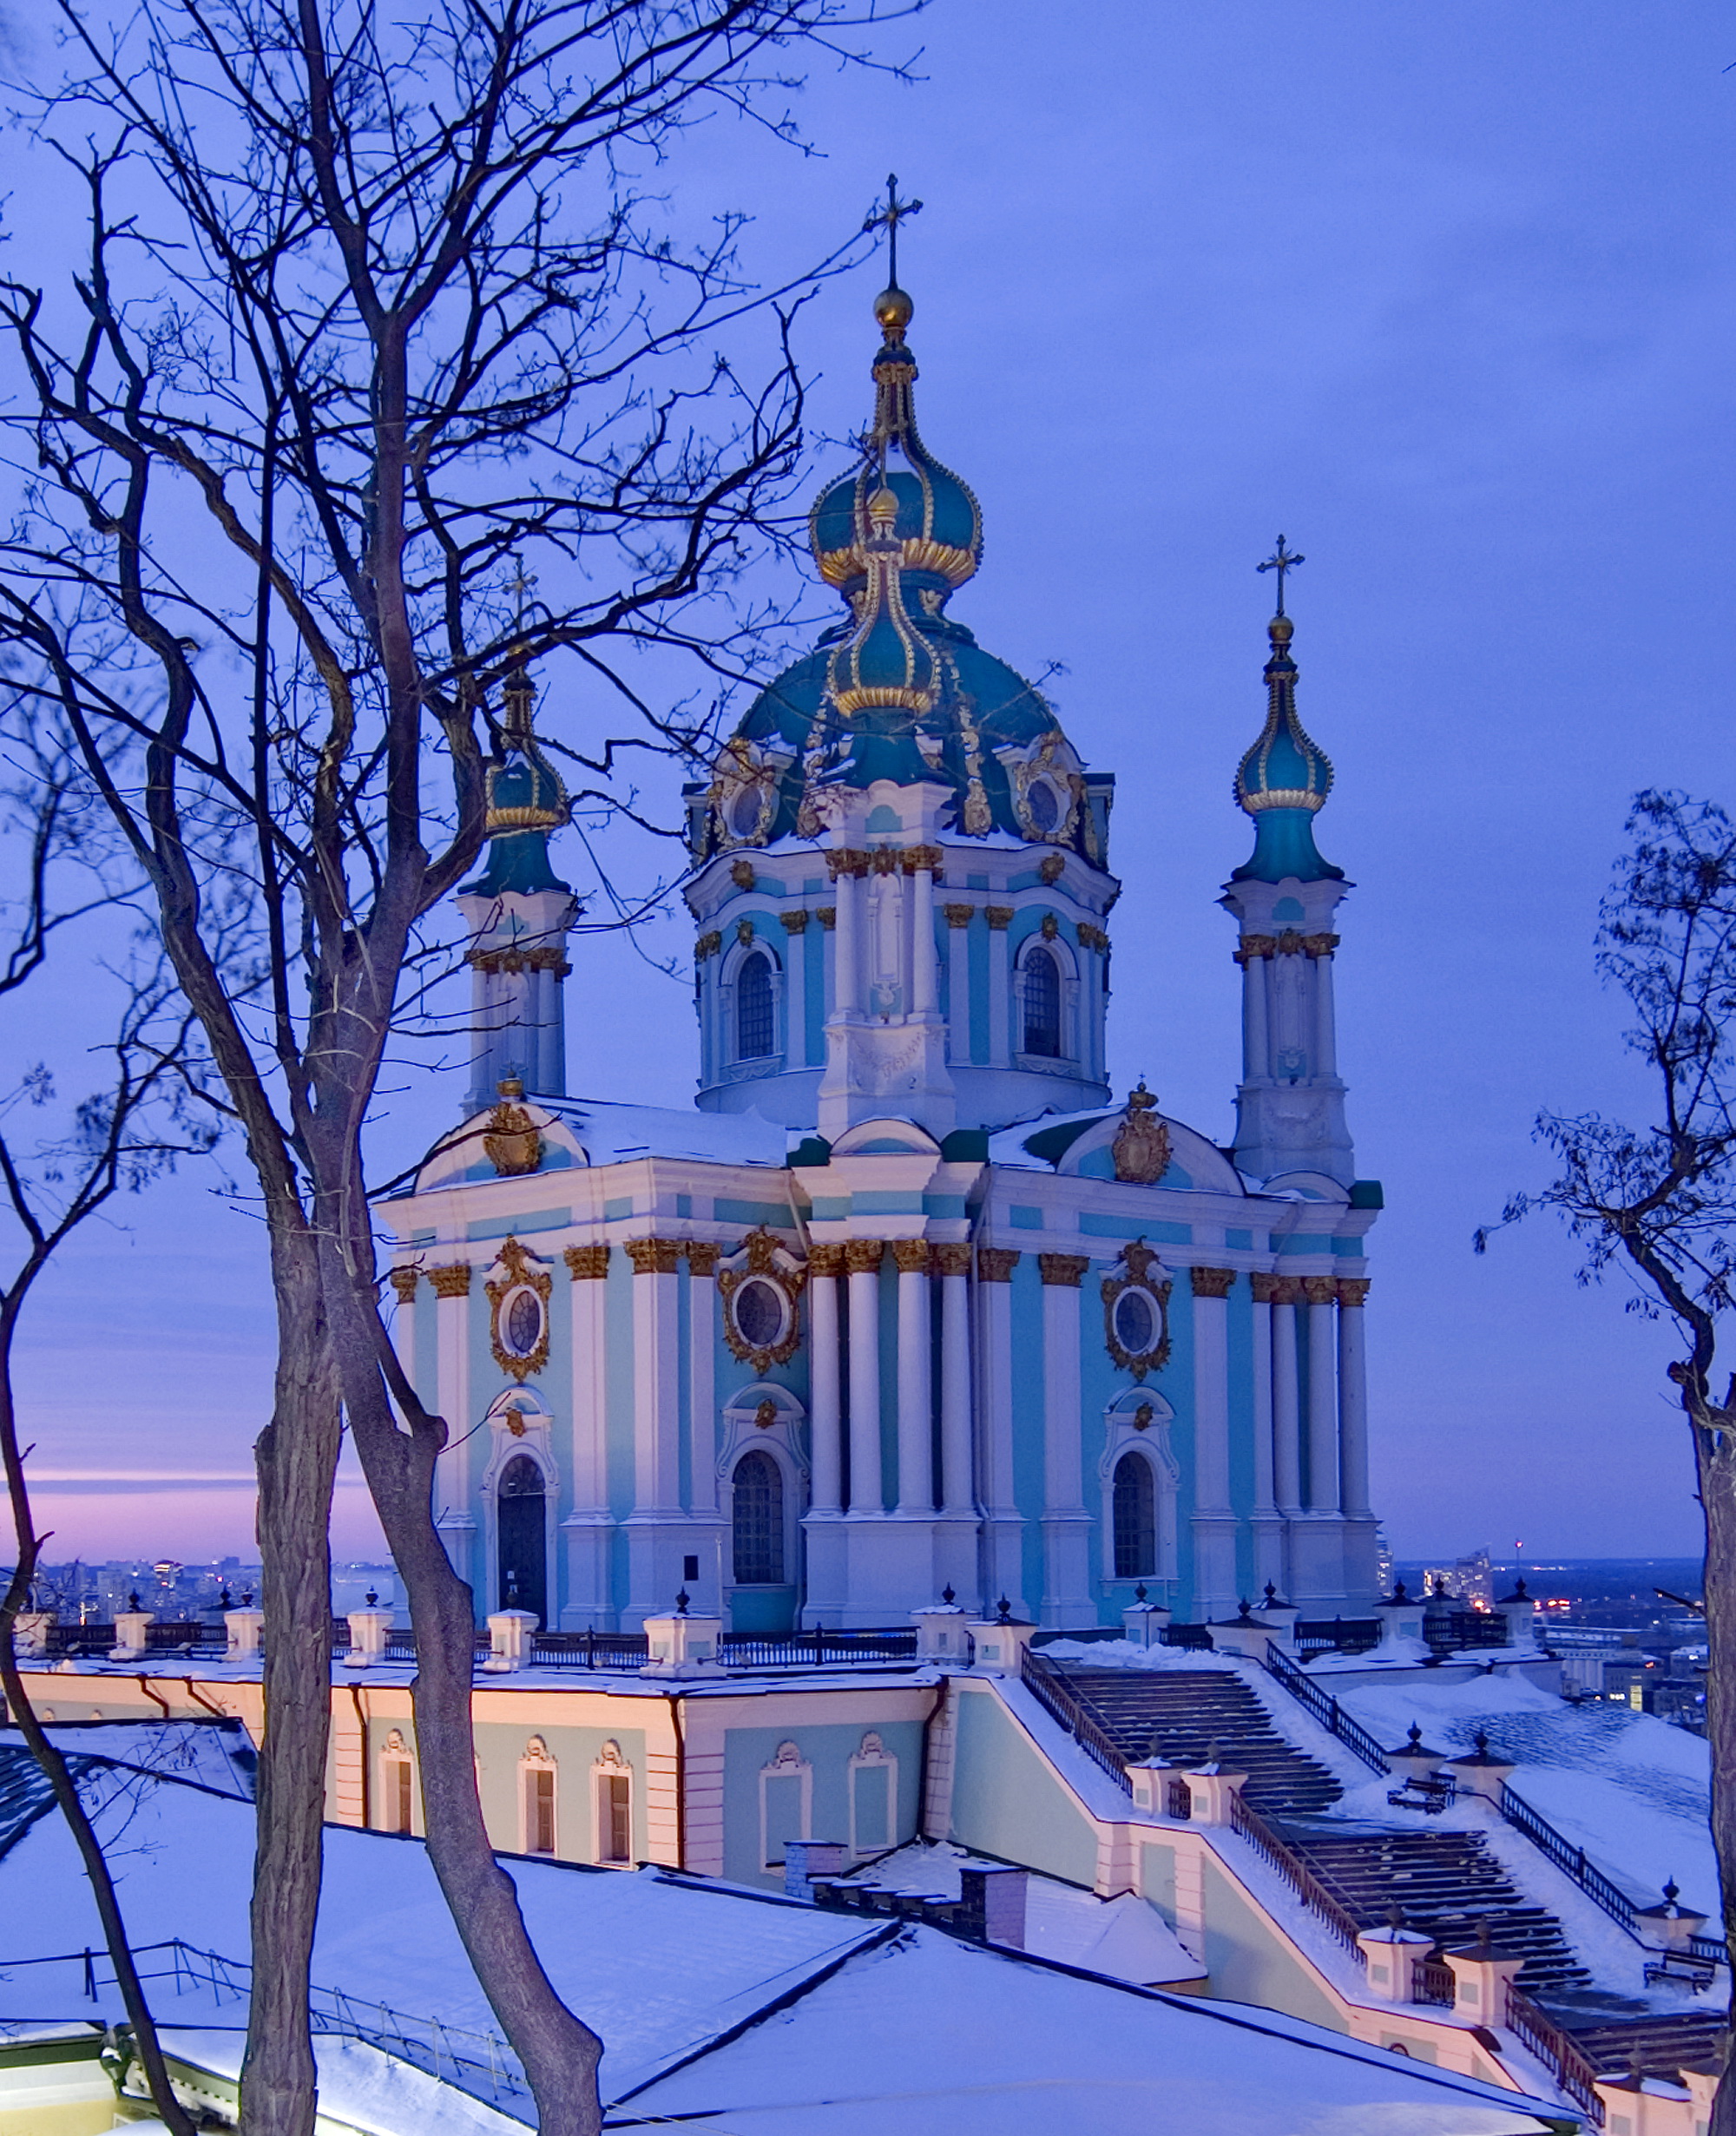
[{"x": 523, "y": 1555}]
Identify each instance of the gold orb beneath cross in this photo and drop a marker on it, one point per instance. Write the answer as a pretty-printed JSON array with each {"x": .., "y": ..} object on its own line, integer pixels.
[{"x": 894, "y": 310}]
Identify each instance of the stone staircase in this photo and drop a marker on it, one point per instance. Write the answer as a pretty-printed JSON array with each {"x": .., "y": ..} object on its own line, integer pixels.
[
  {"x": 1655, "y": 2046},
  {"x": 1181, "y": 1714},
  {"x": 1443, "y": 1883}
]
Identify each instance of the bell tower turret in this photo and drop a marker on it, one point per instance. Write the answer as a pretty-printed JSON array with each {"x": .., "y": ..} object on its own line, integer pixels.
[
  {"x": 1290, "y": 1106},
  {"x": 518, "y": 915}
]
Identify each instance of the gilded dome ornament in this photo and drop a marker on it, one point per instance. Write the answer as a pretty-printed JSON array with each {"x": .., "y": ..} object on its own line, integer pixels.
[
  {"x": 511, "y": 1144},
  {"x": 1141, "y": 1149}
]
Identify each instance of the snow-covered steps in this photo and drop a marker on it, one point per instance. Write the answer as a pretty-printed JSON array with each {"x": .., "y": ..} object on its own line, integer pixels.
[{"x": 1181, "y": 1714}]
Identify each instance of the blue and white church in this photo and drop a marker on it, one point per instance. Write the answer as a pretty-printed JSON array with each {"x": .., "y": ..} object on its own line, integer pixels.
[{"x": 911, "y": 1301}]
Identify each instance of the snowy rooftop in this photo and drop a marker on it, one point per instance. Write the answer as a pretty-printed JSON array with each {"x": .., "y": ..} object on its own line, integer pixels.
[{"x": 771, "y": 2013}]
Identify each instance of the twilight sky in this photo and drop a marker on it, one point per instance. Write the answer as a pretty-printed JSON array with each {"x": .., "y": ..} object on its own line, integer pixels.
[{"x": 1445, "y": 294}]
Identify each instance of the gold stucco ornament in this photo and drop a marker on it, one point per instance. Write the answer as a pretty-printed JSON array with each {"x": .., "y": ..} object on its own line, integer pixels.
[
  {"x": 1141, "y": 1148},
  {"x": 512, "y": 1144}
]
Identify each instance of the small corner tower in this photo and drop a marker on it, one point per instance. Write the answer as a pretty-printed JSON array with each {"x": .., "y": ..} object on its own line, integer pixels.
[
  {"x": 1290, "y": 1107},
  {"x": 518, "y": 915}
]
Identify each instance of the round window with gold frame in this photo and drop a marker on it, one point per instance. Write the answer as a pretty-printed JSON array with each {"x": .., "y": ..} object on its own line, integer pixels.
[
  {"x": 1136, "y": 1313},
  {"x": 518, "y": 1312}
]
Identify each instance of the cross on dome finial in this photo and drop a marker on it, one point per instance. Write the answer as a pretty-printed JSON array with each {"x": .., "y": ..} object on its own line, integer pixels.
[
  {"x": 1281, "y": 560},
  {"x": 520, "y": 582},
  {"x": 892, "y": 308}
]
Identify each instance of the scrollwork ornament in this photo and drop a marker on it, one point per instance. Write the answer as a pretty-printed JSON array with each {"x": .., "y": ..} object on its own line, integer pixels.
[
  {"x": 511, "y": 1143},
  {"x": 762, "y": 1257},
  {"x": 1142, "y": 1271},
  {"x": 523, "y": 1272},
  {"x": 1141, "y": 1149}
]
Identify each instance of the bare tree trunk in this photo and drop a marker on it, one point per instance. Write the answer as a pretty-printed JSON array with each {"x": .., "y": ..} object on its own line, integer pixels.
[
  {"x": 560, "y": 2054},
  {"x": 297, "y": 1460},
  {"x": 1715, "y": 1449}
]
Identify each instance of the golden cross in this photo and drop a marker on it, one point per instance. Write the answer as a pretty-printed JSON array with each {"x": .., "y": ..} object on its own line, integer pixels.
[
  {"x": 1282, "y": 561},
  {"x": 887, "y": 217},
  {"x": 521, "y": 584}
]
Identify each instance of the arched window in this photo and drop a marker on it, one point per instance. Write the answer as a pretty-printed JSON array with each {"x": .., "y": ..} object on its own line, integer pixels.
[
  {"x": 758, "y": 1511},
  {"x": 537, "y": 1772},
  {"x": 523, "y": 1536},
  {"x": 1134, "y": 1503},
  {"x": 753, "y": 1018},
  {"x": 1043, "y": 1005},
  {"x": 398, "y": 1774},
  {"x": 614, "y": 1777}
]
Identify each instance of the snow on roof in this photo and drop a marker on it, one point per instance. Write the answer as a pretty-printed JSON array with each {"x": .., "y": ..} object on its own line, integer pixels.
[
  {"x": 360, "y": 2088},
  {"x": 1123, "y": 1938},
  {"x": 612, "y": 1133},
  {"x": 1022, "y": 2049},
  {"x": 1632, "y": 1791}
]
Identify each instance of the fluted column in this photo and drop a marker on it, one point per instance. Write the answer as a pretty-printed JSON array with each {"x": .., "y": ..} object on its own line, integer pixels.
[
  {"x": 956, "y": 1485},
  {"x": 1352, "y": 1397},
  {"x": 861, "y": 1257},
  {"x": 1322, "y": 1294},
  {"x": 916, "y": 1416},
  {"x": 1286, "y": 1438},
  {"x": 825, "y": 1416}
]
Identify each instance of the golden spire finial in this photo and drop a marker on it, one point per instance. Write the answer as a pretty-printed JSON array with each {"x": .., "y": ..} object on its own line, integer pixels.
[{"x": 892, "y": 308}]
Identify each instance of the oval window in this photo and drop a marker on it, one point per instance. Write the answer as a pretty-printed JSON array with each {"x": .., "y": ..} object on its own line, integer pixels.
[
  {"x": 1045, "y": 810},
  {"x": 1136, "y": 1322},
  {"x": 744, "y": 812},
  {"x": 522, "y": 1323},
  {"x": 759, "y": 1314}
]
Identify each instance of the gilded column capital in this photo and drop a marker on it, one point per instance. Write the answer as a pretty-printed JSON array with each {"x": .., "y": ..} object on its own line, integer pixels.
[
  {"x": 1212, "y": 1282},
  {"x": 846, "y": 860},
  {"x": 453, "y": 1281},
  {"x": 919, "y": 858},
  {"x": 952, "y": 1260},
  {"x": 587, "y": 1264},
  {"x": 861, "y": 1257},
  {"x": 1286, "y": 1290},
  {"x": 707, "y": 945},
  {"x": 825, "y": 1260},
  {"x": 1064, "y": 1271},
  {"x": 1319, "y": 946},
  {"x": 958, "y": 914},
  {"x": 912, "y": 1255},
  {"x": 794, "y": 922},
  {"x": 997, "y": 1264},
  {"x": 1091, "y": 937},
  {"x": 703, "y": 1255},
  {"x": 1320, "y": 1289},
  {"x": 1253, "y": 947},
  {"x": 654, "y": 1256},
  {"x": 1353, "y": 1290},
  {"x": 827, "y": 916},
  {"x": 403, "y": 1281},
  {"x": 1000, "y": 917},
  {"x": 1265, "y": 1287}
]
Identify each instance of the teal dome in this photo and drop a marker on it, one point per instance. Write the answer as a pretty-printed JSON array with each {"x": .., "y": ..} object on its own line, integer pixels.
[
  {"x": 1284, "y": 780},
  {"x": 898, "y": 690}
]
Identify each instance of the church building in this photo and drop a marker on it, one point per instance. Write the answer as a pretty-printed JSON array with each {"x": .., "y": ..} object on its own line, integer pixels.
[{"x": 911, "y": 1301}]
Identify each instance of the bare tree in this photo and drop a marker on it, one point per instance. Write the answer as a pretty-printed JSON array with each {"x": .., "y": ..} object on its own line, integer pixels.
[
  {"x": 373, "y": 310},
  {"x": 1657, "y": 1204},
  {"x": 58, "y": 1170}
]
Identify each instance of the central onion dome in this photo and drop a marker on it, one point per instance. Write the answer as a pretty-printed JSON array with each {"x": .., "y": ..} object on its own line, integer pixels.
[
  {"x": 898, "y": 691},
  {"x": 1284, "y": 780}
]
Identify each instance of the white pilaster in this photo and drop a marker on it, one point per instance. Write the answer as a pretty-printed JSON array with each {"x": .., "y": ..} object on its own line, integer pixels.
[
  {"x": 656, "y": 1528},
  {"x": 1323, "y": 1393},
  {"x": 925, "y": 977},
  {"x": 1352, "y": 1399},
  {"x": 1256, "y": 1050},
  {"x": 453, "y": 1495},
  {"x": 862, "y": 1257},
  {"x": 1268, "y": 1527},
  {"x": 1067, "y": 1598},
  {"x": 999, "y": 986},
  {"x": 1286, "y": 1436},
  {"x": 590, "y": 1604},
  {"x": 916, "y": 1432},
  {"x": 1003, "y": 1552},
  {"x": 796, "y": 991},
  {"x": 827, "y": 1567},
  {"x": 1214, "y": 1523}
]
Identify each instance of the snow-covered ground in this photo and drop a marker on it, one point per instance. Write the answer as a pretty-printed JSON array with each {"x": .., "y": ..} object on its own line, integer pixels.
[{"x": 1628, "y": 1788}]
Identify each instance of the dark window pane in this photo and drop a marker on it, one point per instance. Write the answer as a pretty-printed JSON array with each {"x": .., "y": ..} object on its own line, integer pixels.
[
  {"x": 1135, "y": 1322},
  {"x": 1043, "y": 1005},
  {"x": 753, "y": 1008},
  {"x": 1042, "y": 804},
  {"x": 1135, "y": 1519},
  {"x": 523, "y": 1322},
  {"x": 759, "y": 1313},
  {"x": 617, "y": 1805},
  {"x": 758, "y": 1508}
]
